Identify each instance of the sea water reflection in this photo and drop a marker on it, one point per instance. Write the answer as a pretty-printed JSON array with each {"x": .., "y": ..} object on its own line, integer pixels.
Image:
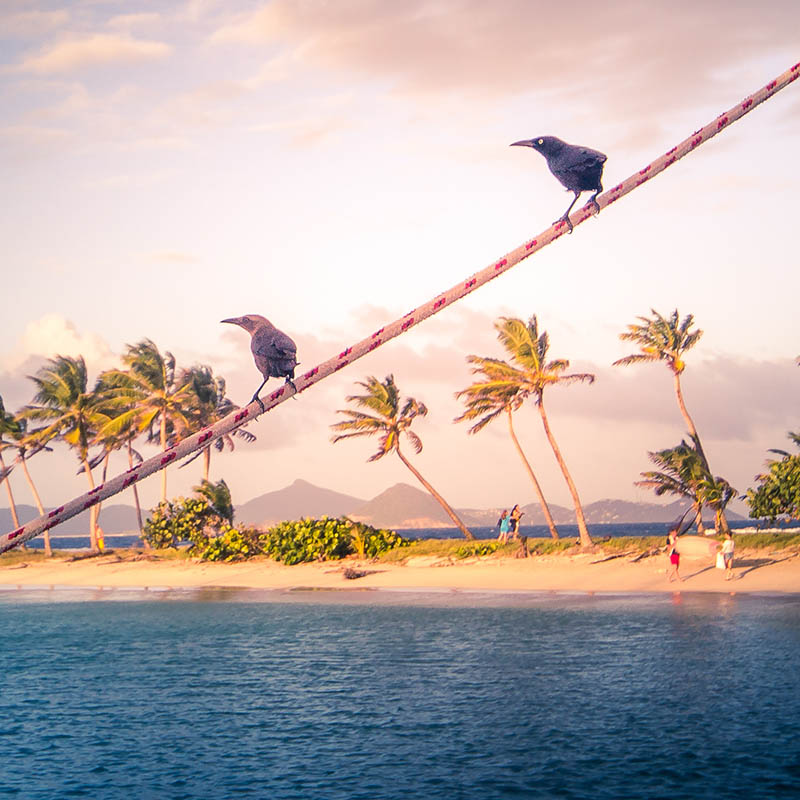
[{"x": 240, "y": 693}]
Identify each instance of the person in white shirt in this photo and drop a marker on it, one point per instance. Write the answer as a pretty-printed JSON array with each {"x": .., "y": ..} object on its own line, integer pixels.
[{"x": 727, "y": 555}]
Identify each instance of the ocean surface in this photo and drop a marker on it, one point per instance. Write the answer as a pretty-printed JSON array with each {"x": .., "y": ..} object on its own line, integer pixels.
[
  {"x": 360, "y": 695},
  {"x": 597, "y": 531}
]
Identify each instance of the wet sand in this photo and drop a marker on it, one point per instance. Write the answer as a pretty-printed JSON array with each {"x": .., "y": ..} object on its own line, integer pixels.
[{"x": 756, "y": 572}]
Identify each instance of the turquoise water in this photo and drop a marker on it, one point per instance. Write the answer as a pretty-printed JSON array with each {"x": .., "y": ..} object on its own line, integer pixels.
[{"x": 225, "y": 694}]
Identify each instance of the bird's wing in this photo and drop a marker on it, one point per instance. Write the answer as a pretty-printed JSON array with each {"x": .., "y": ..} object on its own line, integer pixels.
[
  {"x": 274, "y": 346},
  {"x": 579, "y": 167}
]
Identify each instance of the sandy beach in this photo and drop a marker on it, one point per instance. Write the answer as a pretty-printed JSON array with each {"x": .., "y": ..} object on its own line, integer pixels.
[{"x": 756, "y": 572}]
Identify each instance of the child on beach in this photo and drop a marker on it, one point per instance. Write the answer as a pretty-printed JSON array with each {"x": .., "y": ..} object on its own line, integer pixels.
[
  {"x": 727, "y": 555},
  {"x": 674, "y": 557},
  {"x": 504, "y": 524}
]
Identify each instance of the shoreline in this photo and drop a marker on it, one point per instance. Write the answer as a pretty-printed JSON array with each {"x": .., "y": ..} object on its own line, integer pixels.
[{"x": 756, "y": 572}]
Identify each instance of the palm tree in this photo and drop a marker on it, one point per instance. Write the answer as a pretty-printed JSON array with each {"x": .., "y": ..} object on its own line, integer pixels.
[
  {"x": 531, "y": 376},
  {"x": 28, "y": 444},
  {"x": 682, "y": 474},
  {"x": 486, "y": 399},
  {"x": 71, "y": 412},
  {"x": 389, "y": 422},
  {"x": 667, "y": 339},
  {"x": 120, "y": 431},
  {"x": 209, "y": 405},
  {"x": 153, "y": 395},
  {"x": 218, "y": 497}
]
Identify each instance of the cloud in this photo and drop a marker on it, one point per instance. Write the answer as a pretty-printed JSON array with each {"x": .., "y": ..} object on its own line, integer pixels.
[
  {"x": 54, "y": 334},
  {"x": 134, "y": 20},
  {"x": 26, "y": 24},
  {"x": 602, "y": 61},
  {"x": 729, "y": 399},
  {"x": 89, "y": 51}
]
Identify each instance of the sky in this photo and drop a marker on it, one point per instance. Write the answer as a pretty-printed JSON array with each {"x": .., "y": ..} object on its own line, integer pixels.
[{"x": 332, "y": 165}]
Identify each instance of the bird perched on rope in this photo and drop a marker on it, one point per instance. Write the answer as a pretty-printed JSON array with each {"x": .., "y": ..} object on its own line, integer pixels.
[
  {"x": 580, "y": 169},
  {"x": 274, "y": 352}
]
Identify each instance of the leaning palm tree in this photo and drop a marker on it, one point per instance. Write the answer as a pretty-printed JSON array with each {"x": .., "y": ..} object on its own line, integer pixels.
[
  {"x": 496, "y": 393},
  {"x": 28, "y": 443},
  {"x": 70, "y": 412},
  {"x": 157, "y": 400},
  {"x": 667, "y": 339},
  {"x": 389, "y": 421},
  {"x": 530, "y": 376},
  {"x": 9, "y": 426}
]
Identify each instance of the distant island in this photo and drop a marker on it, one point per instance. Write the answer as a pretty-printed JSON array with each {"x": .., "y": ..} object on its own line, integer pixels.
[{"x": 400, "y": 506}]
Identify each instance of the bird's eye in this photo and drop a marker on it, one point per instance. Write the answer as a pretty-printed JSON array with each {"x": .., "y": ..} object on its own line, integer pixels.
[{"x": 541, "y": 141}]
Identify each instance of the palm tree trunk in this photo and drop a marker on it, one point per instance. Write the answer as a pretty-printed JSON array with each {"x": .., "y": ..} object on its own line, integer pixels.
[
  {"x": 163, "y": 448},
  {"x": 48, "y": 550},
  {"x": 586, "y": 540},
  {"x": 206, "y": 462},
  {"x": 92, "y": 511},
  {"x": 545, "y": 508},
  {"x": 105, "y": 474},
  {"x": 136, "y": 500},
  {"x": 693, "y": 433},
  {"x": 11, "y": 503},
  {"x": 698, "y": 518},
  {"x": 439, "y": 499}
]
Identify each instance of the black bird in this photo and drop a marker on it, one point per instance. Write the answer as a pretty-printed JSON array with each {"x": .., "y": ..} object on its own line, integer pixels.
[
  {"x": 580, "y": 169},
  {"x": 274, "y": 352}
]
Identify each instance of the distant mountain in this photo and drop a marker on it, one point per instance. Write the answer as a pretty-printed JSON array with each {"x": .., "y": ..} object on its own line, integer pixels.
[
  {"x": 404, "y": 506},
  {"x": 300, "y": 499},
  {"x": 400, "y": 506}
]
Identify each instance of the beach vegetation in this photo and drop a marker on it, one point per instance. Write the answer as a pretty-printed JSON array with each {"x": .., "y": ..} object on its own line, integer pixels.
[
  {"x": 298, "y": 541},
  {"x": 390, "y": 419},
  {"x": 529, "y": 375},
  {"x": 493, "y": 394},
  {"x": 777, "y": 493},
  {"x": 174, "y": 522}
]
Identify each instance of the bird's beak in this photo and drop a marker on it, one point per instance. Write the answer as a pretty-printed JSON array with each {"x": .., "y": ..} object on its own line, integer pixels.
[
  {"x": 522, "y": 143},
  {"x": 232, "y": 320}
]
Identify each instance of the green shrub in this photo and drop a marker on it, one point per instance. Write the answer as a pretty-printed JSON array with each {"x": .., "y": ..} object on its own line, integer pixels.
[
  {"x": 324, "y": 539},
  {"x": 231, "y": 544},
  {"x": 176, "y": 521}
]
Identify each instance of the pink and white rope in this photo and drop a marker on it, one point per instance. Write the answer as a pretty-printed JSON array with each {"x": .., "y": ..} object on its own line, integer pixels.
[{"x": 236, "y": 419}]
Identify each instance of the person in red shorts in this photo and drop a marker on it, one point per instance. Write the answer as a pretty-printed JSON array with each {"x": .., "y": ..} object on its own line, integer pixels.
[{"x": 674, "y": 556}]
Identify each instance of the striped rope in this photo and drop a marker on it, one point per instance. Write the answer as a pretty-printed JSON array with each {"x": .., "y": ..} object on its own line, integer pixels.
[{"x": 236, "y": 419}]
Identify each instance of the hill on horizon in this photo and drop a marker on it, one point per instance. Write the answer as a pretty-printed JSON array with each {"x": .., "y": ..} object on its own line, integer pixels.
[{"x": 399, "y": 506}]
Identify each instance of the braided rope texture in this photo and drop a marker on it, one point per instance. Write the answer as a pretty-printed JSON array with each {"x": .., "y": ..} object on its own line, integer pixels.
[{"x": 236, "y": 419}]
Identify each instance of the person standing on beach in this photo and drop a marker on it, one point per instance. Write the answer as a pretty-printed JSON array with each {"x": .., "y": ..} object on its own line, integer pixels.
[
  {"x": 515, "y": 516},
  {"x": 727, "y": 554},
  {"x": 674, "y": 556},
  {"x": 504, "y": 523}
]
